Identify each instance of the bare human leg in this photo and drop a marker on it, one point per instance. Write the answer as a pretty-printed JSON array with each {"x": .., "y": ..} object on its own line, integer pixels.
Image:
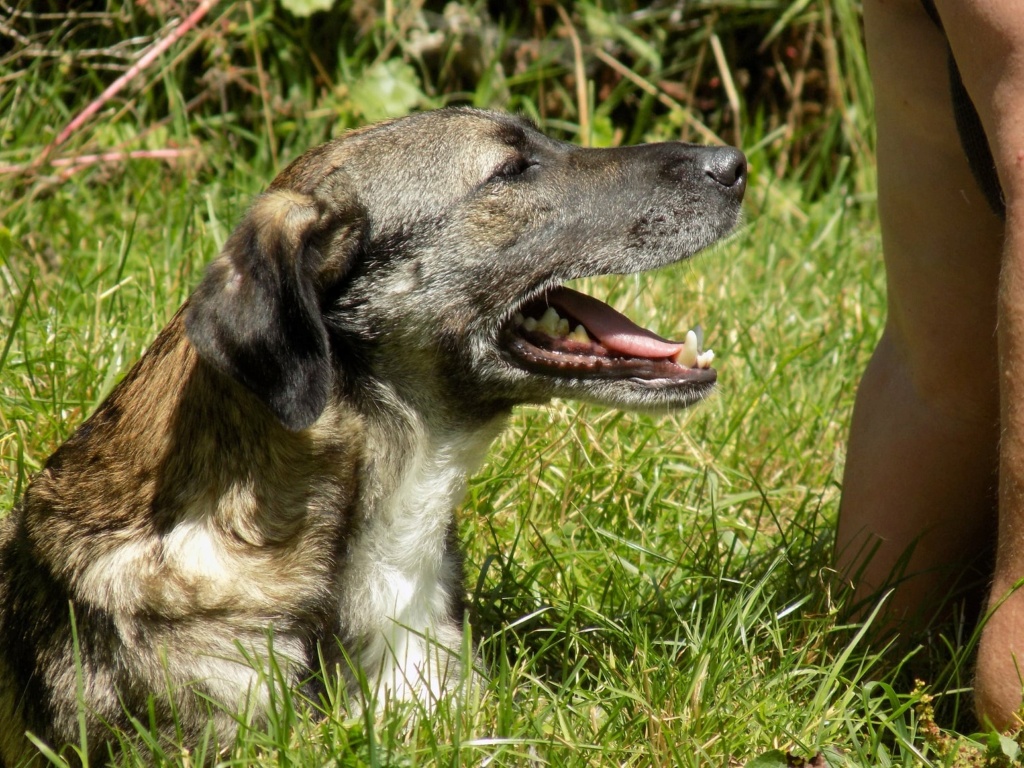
[
  {"x": 987, "y": 37},
  {"x": 921, "y": 468}
]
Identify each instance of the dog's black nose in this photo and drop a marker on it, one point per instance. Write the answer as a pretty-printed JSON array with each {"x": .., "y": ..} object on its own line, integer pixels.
[{"x": 727, "y": 166}]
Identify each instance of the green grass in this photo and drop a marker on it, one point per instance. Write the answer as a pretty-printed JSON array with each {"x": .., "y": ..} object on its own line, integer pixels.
[{"x": 644, "y": 590}]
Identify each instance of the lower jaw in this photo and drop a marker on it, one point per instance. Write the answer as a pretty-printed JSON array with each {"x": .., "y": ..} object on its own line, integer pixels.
[
  {"x": 658, "y": 373},
  {"x": 624, "y": 393},
  {"x": 642, "y": 397}
]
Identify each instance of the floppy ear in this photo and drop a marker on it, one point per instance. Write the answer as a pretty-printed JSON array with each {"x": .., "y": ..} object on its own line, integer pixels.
[{"x": 256, "y": 316}]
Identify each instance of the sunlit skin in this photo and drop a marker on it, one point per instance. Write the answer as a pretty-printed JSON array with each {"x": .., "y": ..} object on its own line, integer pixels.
[{"x": 937, "y": 442}]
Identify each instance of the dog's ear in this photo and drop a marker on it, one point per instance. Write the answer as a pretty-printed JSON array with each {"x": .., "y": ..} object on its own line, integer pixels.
[{"x": 256, "y": 316}]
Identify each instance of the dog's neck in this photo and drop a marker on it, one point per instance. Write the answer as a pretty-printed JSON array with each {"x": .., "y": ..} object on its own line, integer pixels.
[
  {"x": 403, "y": 574},
  {"x": 424, "y": 485},
  {"x": 419, "y": 456}
]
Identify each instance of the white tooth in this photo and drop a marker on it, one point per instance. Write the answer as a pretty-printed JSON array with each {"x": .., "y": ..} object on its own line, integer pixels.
[
  {"x": 549, "y": 321},
  {"x": 688, "y": 354},
  {"x": 704, "y": 359},
  {"x": 518, "y": 318},
  {"x": 579, "y": 334},
  {"x": 562, "y": 329},
  {"x": 530, "y": 324}
]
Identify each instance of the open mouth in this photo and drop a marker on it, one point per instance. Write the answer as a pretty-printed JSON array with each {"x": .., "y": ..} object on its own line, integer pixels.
[{"x": 567, "y": 333}]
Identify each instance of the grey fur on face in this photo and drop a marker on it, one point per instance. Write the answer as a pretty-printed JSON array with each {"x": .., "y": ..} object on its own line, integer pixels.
[{"x": 286, "y": 457}]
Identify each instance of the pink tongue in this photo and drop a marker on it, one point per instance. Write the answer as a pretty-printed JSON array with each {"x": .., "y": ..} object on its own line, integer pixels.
[{"x": 615, "y": 331}]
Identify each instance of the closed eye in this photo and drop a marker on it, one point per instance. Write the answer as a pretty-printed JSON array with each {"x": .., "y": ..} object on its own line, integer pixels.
[{"x": 513, "y": 167}]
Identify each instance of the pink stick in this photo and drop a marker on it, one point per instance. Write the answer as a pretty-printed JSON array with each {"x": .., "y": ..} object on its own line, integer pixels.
[
  {"x": 80, "y": 161},
  {"x": 161, "y": 46},
  {"x": 108, "y": 157}
]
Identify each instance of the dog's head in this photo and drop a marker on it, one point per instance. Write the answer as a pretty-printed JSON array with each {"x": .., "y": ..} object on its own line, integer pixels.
[{"x": 416, "y": 254}]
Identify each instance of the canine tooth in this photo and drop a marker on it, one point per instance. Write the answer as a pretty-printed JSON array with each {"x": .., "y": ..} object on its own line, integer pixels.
[
  {"x": 562, "y": 329},
  {"x": 549, "y": 322},
  {"x": 579, "y": 334},
  {"x": 530, "y": 324},
  {"x": 690, "y": 351}
]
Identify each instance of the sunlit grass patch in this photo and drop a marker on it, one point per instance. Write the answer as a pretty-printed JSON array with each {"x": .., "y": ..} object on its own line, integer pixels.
[{"x": 644, "y": 589}]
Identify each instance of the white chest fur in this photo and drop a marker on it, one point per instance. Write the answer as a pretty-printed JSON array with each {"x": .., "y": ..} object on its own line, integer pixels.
[{"x": 402, "y": 578}]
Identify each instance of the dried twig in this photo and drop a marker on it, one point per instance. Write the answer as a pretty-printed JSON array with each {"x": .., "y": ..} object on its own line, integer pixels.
[
  {"x": 261, "y": 77},
  {"x": 731, "y": 92},
  {"x": 702, "y": 130},
  {"x": 73, "y": 164},
  {"x": 582, "y": 99},
  {"x": 148, "y": 58},
  {"x": 62, "y": 16}
]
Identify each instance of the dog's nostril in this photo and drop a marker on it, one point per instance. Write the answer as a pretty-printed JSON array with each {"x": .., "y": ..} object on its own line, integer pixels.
[{"x": 727, "y": 166}]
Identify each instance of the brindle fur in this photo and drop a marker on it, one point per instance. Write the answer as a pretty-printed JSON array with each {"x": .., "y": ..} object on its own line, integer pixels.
[{"x": 285, "y": 457}]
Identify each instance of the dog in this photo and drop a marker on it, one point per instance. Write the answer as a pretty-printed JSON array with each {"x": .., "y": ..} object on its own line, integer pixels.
[{"x": 282, "y": 465}]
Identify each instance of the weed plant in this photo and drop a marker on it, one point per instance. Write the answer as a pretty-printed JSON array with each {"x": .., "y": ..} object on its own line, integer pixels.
[{"x": 644, "y": 590}]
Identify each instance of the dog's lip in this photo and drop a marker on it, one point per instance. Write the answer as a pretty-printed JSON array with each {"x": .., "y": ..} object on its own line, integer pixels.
[{"x": 619, "y": 348}]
